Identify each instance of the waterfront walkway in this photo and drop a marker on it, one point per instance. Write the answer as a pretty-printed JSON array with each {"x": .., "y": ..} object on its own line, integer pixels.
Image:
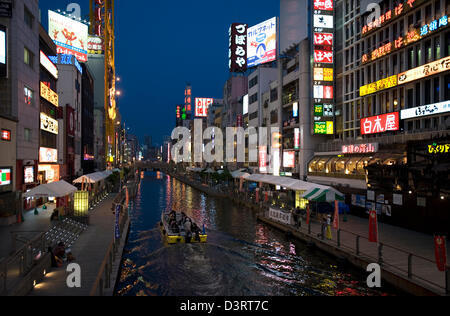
[
  {"x": 404, "y": 253},
  {"x": 90, "y": 251},
  {"x": 32, "y": 223}
]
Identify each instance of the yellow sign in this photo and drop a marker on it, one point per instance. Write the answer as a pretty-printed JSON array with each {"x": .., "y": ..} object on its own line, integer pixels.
[
  {"x": 323, "y": 74},
  {"x": 430, "y": 69},
  {"x": 379, "y": 85},
  {"x": 439, "y": 149},
  {"x": 48, "y": 124},
  {"x": 49, "y": 95}
]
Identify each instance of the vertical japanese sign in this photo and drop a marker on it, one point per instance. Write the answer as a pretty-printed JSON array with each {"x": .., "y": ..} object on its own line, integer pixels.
[
  {"x": 322, "y": 52},
  {"x": 188, "y": 99},
  {"x": 263, "y": 159},
  {"x": 237, "y": 53},
  {"x": 373, "y": 227}
]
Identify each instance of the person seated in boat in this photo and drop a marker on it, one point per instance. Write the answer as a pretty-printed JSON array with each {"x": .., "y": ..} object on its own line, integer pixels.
[
  {"x": 172, "y": 215},
  {"x": 174, "y": 226},
  {"x": 188, "y": 229},
  {"x": 196, "y": 231}
]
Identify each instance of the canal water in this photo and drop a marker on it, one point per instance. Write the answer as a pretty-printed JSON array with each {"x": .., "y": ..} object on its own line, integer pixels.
[{"x": 243, "y": 257}]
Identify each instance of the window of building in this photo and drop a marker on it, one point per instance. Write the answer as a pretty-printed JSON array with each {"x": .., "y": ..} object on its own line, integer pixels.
[
  {"x": 402, "y": 99},
  {"x": 28, "y": 17},
  {"x": 253, "y": 98},
  {"x": 273, "y": 95},
  {"x": 428, "y": 15},
  {"x": 418, "y": 16},
  {"x": 437, "y": 47},
  {"x": 410, "y": 101},
  {"x": 28, "y": 57},
  {"x": 427, "y": 91},
  {"x": 28, "y": 93},
  {"x": 437, "y": 7},
  {"x": 428, "y": 52},
  {"x": 419, "y": 56},
  {"x": 27, "y": 135},
  {"x": 253, "y": 82},
  {"x": 447, "y": 87},
  {"x": 418, "y": 100},
  {"x": 411, "y": 58},
  {"x": 437, "y": 90}
]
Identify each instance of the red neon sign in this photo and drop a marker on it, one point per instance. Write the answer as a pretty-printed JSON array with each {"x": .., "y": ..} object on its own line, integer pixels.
[
  {"x": 323, "y": 39},
  {"x": 321, "y": 56},
  {"x": 326, "y": 5},
  {"x": 6, "y": 135},
  {"x": 380, "y": 124}
]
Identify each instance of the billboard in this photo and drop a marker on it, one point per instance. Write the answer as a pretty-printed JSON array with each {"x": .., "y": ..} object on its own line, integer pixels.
[
  {"x": 430, "y": 69},
  {"x": 323, "y": 21},
  {"x": 70, "y": 36},
  {"x": 48, "y": 124},
  {"x": 326, "y": 5},
  {"x": 245, "y": 105},
  {"x": 382, "y": 84},
  {"x": 380, "y": 123},
  {"x": 5, "y": 176},
  {"x": 96, "y": 45},
  {"x": 262, "y": 43},
  {"x": 237, "y": 54},
  {"x": 202, "y": 106},
  {"x": 49, "y": 95},
  {"x": 426, "y": 110},
  {"x": 47, "y": 64},
  {"x": 289, "y": 159},
  {"x": 48, "y": 155},
  {"x": 2, "y": 51}
]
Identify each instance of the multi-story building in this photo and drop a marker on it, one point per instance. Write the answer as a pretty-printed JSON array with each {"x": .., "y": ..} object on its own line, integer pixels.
[
  {"x": 87, "y": 121},
  {"x": 70, "y": 98},
  {"x": 48, "y": 169},
  {"x": 392, "y": 112},
  {"x": 19, "y": 98}
]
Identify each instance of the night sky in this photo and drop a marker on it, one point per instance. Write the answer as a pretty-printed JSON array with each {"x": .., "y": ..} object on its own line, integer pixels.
[{"x": 162, "y": 45}]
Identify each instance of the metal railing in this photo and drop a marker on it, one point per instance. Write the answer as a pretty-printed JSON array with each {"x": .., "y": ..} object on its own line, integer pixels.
[
  {"x": 103, "y": 281},
  {"x": 400, "y": 261},
  {"x": 15, "y": 267}
]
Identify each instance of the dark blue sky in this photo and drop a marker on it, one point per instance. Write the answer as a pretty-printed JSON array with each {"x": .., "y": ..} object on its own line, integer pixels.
[{"x": 161, "y": 45}]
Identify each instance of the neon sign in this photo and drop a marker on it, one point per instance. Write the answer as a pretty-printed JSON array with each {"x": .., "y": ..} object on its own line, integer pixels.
[
  {"x": 430, "y": 69},
  {"x": 378, "y": 86},
  {"x": 380, "y": 123},
  {"x": 49, "y": 95},
  {"x": 439, "y": 149},
  {"x": 360, "y": 148}
]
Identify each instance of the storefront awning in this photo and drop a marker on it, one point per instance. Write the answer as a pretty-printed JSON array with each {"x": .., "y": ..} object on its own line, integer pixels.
[
  {"x": 312, "y": 191},
  {"x": 54, "y": 189},
  {"x": 93, "y": 177},
  {"x": 240, "y": 174}
]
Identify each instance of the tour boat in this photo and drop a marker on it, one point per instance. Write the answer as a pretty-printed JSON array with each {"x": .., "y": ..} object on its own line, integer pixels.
[{"x": 178, "y": 237}]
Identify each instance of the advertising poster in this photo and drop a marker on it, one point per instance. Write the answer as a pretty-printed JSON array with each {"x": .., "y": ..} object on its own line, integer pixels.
[
  {"x": 70, "y": 36},
  {"x": 262, "y": 43}
]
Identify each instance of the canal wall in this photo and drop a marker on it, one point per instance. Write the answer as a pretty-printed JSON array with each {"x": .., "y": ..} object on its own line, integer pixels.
[{"x": 360, "y": 262}]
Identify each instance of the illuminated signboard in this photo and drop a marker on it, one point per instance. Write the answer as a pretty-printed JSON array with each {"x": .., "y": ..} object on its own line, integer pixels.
[
  {"x": 49, "y": 95},
  {"x": 64, "y": 59},
  {"x": 321, "y": 56},
  {"x": 323, "y": 64},
  {"x": 430, "y": 69},
  {"x": 411, "y": 37},
  {"x": 28, "y": 174},
  {"x": 323, "y": 39},
  {"x": 47, "y": 64},
  {"x": 426, "y": 110},
  {"x": 323, "y": 74},
  {"x": 48, "y": 155},
  {"x": 262, "y": 43},
  {"x": 51, "y": 172},
  {"x": 439, "y": 148},
  {"x": 324, "y": 128},
  {"x": 323, "y": 21},
  {"x": 96, "y": 45},
  {"x": 360, "y": 148},
  {"x": 295, "y": 109},
  {"x": 188, "y": 99},
  {"x": 3, "y": 51},
  {"x": 289, "y": 159},
  {"x": 48, "y": 124},
  {"x": 201, "y": 106},
  {"x": 178, "y": 112},
  {"x": 297, "y": 138},
  {"x": 379, "y": 85},
  {"x": 400, "y": 9},
  {"x": 380, "y": 123},
  {"x": 237, "y": 53},
  {"x": 6, "y": 135},
  {"x": 70, "y": 36},
  {"x": 245, "y": 105},
  {"x": 326, "y": 5},
  {"x": 263, "y": 159},
  {"x": 5, "y": 176},
  {"x": 323, "y": 92}
]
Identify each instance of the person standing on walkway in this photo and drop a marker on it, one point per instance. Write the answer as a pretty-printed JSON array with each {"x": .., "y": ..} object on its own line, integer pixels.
[{"x": 329, "y": 234}]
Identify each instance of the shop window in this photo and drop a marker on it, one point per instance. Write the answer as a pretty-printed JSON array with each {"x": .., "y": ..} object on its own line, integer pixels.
[
  {"x": 360, "y": 166},
  {"x": 340, "y": 166}
]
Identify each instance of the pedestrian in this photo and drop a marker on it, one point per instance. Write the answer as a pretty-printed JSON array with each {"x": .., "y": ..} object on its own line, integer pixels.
[{"x": 329, "y": 235}]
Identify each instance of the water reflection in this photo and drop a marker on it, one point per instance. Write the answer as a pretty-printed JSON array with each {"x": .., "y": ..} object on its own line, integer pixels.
[{"x": 243, "y": 256}]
